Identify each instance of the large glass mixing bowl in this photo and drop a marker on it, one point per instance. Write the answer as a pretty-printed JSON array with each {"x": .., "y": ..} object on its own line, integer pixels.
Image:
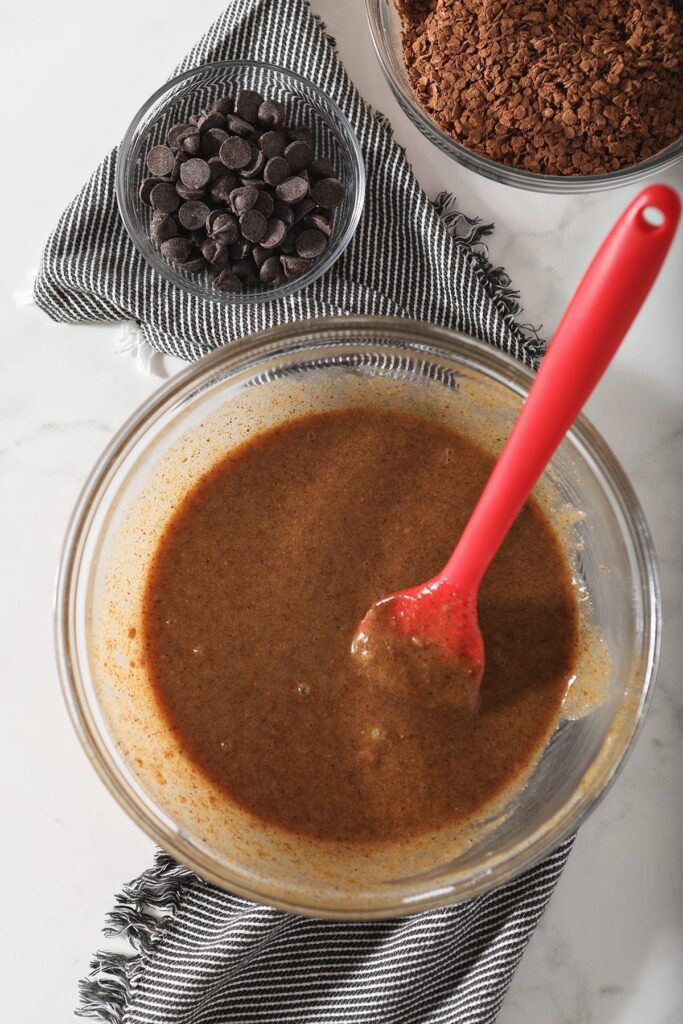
[{"x": 129, "y": 495}]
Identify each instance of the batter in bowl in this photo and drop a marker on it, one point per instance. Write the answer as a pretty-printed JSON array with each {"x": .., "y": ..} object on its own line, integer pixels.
[{"x": 258, "y": 584}]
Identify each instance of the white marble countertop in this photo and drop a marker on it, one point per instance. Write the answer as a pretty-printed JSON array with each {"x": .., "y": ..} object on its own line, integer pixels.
[{"x": 610, "y": 947}]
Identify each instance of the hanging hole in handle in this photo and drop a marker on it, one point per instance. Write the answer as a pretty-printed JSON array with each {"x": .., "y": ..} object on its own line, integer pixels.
[{"x": 653, "y": 217}]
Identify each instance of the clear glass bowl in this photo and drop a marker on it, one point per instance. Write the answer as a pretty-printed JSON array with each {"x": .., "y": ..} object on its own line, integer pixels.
[
  {"x": 385, "y": 29},
  {"x": 306, "y": 106},
  {"x": 163, "y": 449}
]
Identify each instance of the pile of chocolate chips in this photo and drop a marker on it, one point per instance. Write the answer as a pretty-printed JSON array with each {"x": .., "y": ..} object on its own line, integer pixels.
[
  {"x": 553, "y": 86},
  {"x": 239, "y": 195}
]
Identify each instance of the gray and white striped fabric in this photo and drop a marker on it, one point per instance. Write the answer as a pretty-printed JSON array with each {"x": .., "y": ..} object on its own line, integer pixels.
[
  {"x": 219, "y": 959},
  {"x": 198, "y": 955},
  {"x": 402, "y": 260}
]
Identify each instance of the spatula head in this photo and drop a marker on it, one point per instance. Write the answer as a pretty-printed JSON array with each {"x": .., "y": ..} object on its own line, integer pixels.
[{"x": 425, "y": 644}]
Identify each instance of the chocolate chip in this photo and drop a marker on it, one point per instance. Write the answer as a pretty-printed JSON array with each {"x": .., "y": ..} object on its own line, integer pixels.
[
  {"x": 212, "y": 218},
  {"x": 322, "y": 167},
  {"x": 271, "y": 114},
  {"x": 295, "y": 265},
  {"x": 212, "y": 141},
  {"x": 186, "y": 193},
  {"x": 160, "y": 161},
  {"x": 238, "y": 126},
  {"x": 164, "y": 197},
  {"x": 256, "y": 165},
  {"x": 248, "y": 104},
  {"x": 218, "y": 169},
  {"x": 195, "y": 173},
  {"x": 276, "y": 170},
  {"x": 223, "y": 227},
  {"x": 222, "y": 188},
  {"x": 265, "y": 203},
  {"x": 194, "y": 265},
  {"x": 192, "y": 215},
  {"x": 271, "y": 270},
  {"x": 180, "y": 158},
  {"x": 243, "y": 198},
  {"x": 299, "y": 154},
  {"x": 260, "y": 255},
  {"x": 191, "y": 143},
  {"x": 215, "y": 252},
  {"x": 253, "y": 225},
  {"x": 162, "y": 228},
  {"x": 311, "y": 243},
  {"x": 272, "y": 144},
  {"x": 145, "y": 189},
  {"x": 275, "y": 232},
  {"x": 224, "y": 105},
  {"x": 212, "y": 119},
  {"x": 292, "y": 190},
  {"x": 176, "y": 248},
  {"x": 288, "y": 243},
  {"x": 328, "y": 192},
  {"x": 245, "y": 269},
  {"x": 284, "y": 212},
  {"x": 238, "y": 250},
  {"x": 226, "y": 281},
  {"x": 303, "y": 208},
  {"x": 320, "y": 222},
  {"x": 236, "y": 153},
  {"x": 177, "y": 133}
]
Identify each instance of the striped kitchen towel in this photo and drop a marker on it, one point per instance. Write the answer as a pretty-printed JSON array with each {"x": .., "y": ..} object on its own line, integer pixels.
[
  {"x": 405, "y": 259},
  {"x": 197, "y": 955}
]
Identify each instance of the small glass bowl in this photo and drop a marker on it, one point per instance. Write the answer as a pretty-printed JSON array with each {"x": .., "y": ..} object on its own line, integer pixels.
[
  {"x": 306, "y": 106},
  {"x": 385, "y": 29},
  {"x": 163, "y": 450}
]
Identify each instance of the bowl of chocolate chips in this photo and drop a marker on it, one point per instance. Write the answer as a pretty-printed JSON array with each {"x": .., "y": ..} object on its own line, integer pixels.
[
  {"x": 240, "y": 181},
  {"x": 550, "y": 95}
]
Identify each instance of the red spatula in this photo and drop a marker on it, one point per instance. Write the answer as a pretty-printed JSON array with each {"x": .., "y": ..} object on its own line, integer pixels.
[{"x": 430, "y": 633}]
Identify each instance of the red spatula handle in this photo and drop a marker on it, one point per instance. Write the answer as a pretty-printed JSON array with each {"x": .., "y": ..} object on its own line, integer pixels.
[{"x": 608, "y": 298}]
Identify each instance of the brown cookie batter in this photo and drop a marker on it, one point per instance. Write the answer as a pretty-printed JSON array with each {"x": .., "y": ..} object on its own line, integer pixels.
[{"x": 259, "y": 583}]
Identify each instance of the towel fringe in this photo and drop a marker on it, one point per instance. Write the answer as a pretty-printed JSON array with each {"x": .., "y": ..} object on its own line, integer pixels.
[
  {"x": 132, "y": 341},
  {"x": 469, "y": 233},
  {"x": 141, "y": 913},
  {"x": 323, "y": 28}
]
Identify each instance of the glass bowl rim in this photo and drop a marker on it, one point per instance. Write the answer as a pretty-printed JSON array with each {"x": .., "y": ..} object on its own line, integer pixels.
[
  {"x": 288, "y": 288},
  {"x": 516, "y": 177},
  {"x": 301, "y": 336}
]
